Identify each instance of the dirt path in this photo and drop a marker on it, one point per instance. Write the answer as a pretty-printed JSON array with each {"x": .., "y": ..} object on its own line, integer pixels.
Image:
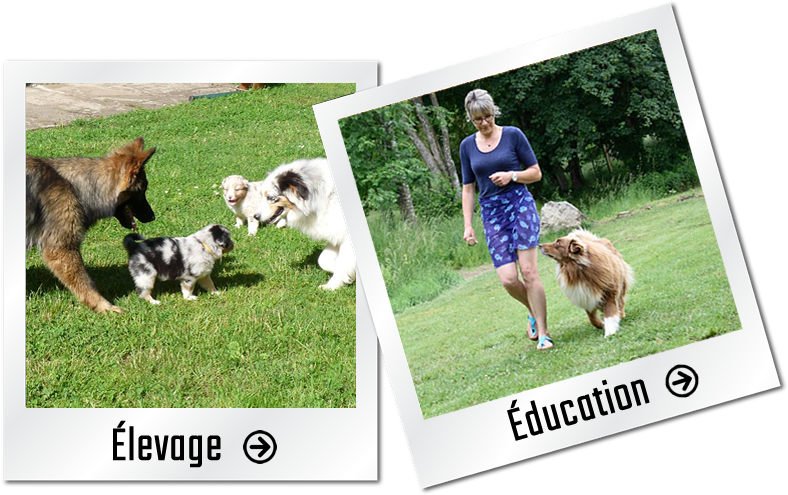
[
  {"x": 469, "y": 273},
  {"x": 50, "y": 105}
]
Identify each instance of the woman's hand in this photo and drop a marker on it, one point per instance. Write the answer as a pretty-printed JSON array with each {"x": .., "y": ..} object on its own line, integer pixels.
[
  {"x": 469, "y": 236},
  {"x": 501, "y": 178}
]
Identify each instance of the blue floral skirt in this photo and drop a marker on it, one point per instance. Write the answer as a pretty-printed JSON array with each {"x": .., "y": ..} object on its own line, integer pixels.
[{"x": 511, "y": 222}]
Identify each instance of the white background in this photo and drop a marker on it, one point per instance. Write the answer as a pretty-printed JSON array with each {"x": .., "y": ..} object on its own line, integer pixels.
[{"x": 736, "y": 53}]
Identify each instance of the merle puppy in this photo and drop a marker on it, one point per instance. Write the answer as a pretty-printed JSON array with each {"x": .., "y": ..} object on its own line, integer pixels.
[{"x": 188, "y": 259}]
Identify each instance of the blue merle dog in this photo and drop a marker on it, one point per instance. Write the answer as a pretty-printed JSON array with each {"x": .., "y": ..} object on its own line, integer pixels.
[{"x": 187, "y": 259}]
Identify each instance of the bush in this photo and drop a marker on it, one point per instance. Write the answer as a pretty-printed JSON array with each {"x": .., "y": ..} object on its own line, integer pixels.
[{"x": 670, "y": 181}]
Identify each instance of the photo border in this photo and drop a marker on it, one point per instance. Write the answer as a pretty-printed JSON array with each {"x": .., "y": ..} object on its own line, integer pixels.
[
  {"x": 76, "y": 444},
  {"x": 479, "y": 438}
]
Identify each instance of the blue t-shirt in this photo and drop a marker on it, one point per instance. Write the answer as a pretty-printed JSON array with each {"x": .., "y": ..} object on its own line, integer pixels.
[{"x": 512, "y": 153}]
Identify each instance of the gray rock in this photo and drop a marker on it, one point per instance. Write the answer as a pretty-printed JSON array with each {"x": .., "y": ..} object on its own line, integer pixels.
[{"x": 559, "y": 215}]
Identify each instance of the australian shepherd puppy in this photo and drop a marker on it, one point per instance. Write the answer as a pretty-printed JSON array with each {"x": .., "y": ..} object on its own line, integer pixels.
[
  {"x": 593, "y": 275},
  {"x": 187, "y": 259},
  {"x": 303, "y": 194},
  {"x": 243, "y": 198}
]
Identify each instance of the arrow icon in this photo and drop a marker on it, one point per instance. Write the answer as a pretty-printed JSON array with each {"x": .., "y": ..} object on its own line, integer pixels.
[
  {"x": 682, "y": 380},
  {"x": 685, "y": 379},
  {"x": 263, "y": 447},
  {"x": 262, "y": 451}
]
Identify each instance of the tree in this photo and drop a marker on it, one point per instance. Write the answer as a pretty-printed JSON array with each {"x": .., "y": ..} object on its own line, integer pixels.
[
  {"x": 382, "y": 166},
  {"x": 436, "y": 155},
  {"x": 398, "y": 158},
  {"x": 593, "y": 104}
]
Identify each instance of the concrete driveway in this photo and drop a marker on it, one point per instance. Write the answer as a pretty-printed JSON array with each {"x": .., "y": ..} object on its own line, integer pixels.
[{"x": 50, "y": 105}]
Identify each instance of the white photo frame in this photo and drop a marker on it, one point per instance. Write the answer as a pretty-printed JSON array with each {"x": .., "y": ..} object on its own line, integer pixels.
[
  {"x": 480, "y": 438},
  {"x": 309, "y": 444}
]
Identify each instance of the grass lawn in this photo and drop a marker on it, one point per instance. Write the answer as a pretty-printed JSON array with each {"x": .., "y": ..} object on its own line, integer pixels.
[
  {"x": 468, "y": 346},
  {"x": 271, "y": 339}
]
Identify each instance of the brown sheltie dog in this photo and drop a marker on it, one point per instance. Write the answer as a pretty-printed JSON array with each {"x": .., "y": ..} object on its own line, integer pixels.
[{"x": 593, "y": 275}]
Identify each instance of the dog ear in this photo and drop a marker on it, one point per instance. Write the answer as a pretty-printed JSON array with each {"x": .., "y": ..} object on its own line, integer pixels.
[
  {"x": 294, "y": 188},
  {"x": 144, "y": 156},
  {"x": 137, "y": 145},
  {"x": 135, "y": 164},
  {"x": 576, "y": 248},
  {"x": 140, "y": 159}
]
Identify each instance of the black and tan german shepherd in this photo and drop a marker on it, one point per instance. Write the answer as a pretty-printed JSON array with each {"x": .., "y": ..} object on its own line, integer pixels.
[{"x": 65, "y": 196}]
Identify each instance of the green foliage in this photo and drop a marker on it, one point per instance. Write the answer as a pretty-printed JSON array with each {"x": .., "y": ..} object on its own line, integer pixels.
[
  {"x": 617, "y": 95},
  {"x": 433, "y": 199},
  {"x": 272, "y": 338},
  {"x": 380, "y": 157},
  {"x": 681, "y": 178},
  {"x": 383, "y": 158}
]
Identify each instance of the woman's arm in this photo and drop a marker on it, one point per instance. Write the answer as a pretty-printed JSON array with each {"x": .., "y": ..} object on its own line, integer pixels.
[
  {"x": 468, "y": 197},
  {"x": 528, "y": 176}
]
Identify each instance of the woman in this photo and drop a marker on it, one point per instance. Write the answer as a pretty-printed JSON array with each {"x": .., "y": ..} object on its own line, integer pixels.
[{"x": 493, "y": 158}]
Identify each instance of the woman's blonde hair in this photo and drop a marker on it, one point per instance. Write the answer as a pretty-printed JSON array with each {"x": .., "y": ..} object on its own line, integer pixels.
[{"x": 479, "y": 102}]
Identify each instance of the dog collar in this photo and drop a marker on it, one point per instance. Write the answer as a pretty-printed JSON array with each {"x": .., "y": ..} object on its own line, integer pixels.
[{"x": 207, "y": 248}]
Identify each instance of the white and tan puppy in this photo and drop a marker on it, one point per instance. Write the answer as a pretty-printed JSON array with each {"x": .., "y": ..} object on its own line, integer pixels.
[
  {"x": 187, "y": 259},
  {"x": 303, "y": 194},
  {"x": 243, "y": 198}
]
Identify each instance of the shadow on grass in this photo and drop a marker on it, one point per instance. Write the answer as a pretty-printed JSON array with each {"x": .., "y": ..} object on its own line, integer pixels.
[
  {"x": 310, "y": 261},
  {"x": 114, "y": 282},
  {"x": 584, "y": 331}
]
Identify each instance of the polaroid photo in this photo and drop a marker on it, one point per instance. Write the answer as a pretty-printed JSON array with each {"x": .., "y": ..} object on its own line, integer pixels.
[
  {"x": 186, "y": 307},
  {"x": 546, "y": 245}
]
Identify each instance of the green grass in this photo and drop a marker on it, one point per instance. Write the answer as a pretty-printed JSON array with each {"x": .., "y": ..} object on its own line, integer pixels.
[
  {"x": 420, "y": 262},
  {"x": 271, "y": 339},
  {"x": 468, "y": 346}
]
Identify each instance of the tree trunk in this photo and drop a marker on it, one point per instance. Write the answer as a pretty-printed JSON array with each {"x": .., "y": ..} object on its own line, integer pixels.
[
  {"x": 437, "y": 157},
  {"x": 575, "y": 172},
  {"x": 405, "y": 203},
  {"x": 448, "y": 162},
  {"x": 607, "y": 157},
  {"x": 404, "y": 198},
  {"x": 426, "y": 128},
  {"x": 560, "y": 176},
  {"x": 556, "y": 171},
  {"x": 428, "y": 158}
]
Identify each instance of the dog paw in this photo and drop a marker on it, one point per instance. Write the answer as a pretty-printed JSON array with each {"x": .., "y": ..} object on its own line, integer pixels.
[
  {"x": 329, "y": 286},
  {"x": 103, "y": 308},
  {"x": 154, "y": 302},
  {"x": 190, "y": 298},
  {"x": 611, "y": 325},
  {"x": 215, "y": 292}
]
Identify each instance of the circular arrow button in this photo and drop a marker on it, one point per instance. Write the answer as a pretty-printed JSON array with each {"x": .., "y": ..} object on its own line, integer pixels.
[
  {"x": 682, "y": 381},
  {"x": 260, "y": 447}
]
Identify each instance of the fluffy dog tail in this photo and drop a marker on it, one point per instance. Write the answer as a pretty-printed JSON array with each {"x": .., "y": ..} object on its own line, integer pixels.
[{"x": 130, "y": 242}]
